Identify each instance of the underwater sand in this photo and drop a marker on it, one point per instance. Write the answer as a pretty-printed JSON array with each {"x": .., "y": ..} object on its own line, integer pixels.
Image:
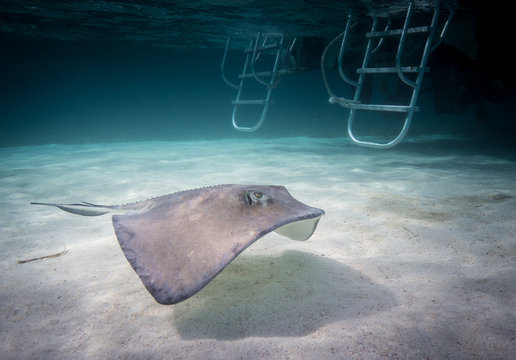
[{"x": 414, "y": 259}]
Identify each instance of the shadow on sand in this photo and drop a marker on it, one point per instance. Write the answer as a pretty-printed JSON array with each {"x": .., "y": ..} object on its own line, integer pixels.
[{"x": 293, "y": 294}]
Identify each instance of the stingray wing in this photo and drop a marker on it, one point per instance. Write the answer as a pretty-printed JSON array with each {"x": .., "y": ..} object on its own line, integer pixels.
[
  {"x": 179, "y": 245},
  {"x": 175, "y": 256}
]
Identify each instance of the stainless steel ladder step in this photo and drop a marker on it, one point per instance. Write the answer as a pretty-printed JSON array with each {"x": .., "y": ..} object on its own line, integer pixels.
[
  {"x": 375, "y": 107},
  {"x": 272, "y": 46},
  {"x": 265, "y": 74},
  {"x": 390, "y": 70},
  {"x": 259, "y": 74},
  {"x": 249, "y": 102},
  {"x": 412, "y": 30}
]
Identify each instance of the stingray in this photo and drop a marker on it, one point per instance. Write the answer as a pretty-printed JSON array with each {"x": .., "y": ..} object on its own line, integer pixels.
[{"x": 177, "y": 243}]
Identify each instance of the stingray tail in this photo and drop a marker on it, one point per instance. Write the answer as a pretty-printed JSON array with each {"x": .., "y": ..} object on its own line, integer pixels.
[{"x": 83, "y": 208}]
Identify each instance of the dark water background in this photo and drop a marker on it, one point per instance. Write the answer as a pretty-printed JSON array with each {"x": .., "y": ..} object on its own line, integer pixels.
[{"x": 111, "y": 71}]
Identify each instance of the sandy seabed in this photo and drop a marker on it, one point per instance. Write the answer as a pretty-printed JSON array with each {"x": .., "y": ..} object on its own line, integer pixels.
[{"x": 414, "y": 259}]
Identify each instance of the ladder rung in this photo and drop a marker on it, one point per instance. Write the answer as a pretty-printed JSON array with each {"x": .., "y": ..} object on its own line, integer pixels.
[
  {"x": 413, "y": 30},
  {"x": 395, "y": 108},
  {"x": 263, "y": 48},
  {"x": 390, "y": 70},
  {"x": 248, "y": 102},
  {"x": 259, "y": 74}
]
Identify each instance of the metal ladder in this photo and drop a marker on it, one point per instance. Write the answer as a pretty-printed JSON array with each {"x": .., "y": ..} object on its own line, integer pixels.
[
  {"x": 374, "y": 35},
  {"x": 261, "y": 45}
]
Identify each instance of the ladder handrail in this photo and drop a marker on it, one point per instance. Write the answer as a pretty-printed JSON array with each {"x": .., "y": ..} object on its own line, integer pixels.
[
  {"x": 401, "y": 46},
  {"x": 256, "y": 55},
  {"x": 323, "y": 71},
  {"x": 223, "y": 64},
  {"x": 387, "y": 26},
  {"x": 444, "y": 30},
  {"x": 341, "y": 54},
  {"x": 334, "y": 98},
  {"x": 344, "y": 35}
]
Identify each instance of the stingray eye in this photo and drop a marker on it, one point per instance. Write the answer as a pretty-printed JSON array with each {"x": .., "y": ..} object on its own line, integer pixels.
[{"x": 254, "y": 197}]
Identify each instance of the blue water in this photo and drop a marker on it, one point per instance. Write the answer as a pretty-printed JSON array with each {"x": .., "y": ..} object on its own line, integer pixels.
[{"x": 116, "y": 77}]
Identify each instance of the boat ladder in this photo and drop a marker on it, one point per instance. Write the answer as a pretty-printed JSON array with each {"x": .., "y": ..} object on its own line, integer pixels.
[
  {"x": 375, "y": 39},
  {"x": 261, "y": 50}
]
